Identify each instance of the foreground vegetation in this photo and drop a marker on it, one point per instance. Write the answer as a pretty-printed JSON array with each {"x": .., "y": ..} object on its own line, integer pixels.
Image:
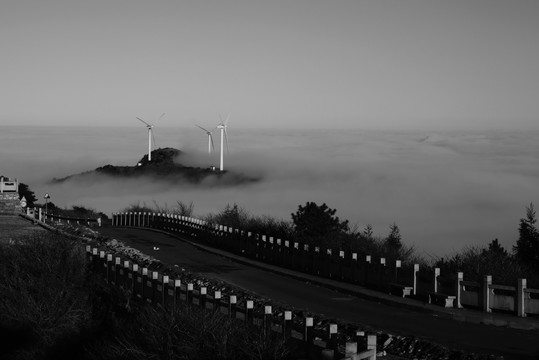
[
  {"x": 74, "y": 212},
  {"x": 52, "y": 307}
]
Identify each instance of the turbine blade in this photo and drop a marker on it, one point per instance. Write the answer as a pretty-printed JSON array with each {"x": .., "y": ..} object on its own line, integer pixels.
[
  {"x": 221, "y": 118},
  {"x": 226, "y": 120},
  {"x": 202, "y": 128},
  {"x": 163, "y": 114},
  {"x": 144, "y": 121},
  {"x": 212, "y": 146}
]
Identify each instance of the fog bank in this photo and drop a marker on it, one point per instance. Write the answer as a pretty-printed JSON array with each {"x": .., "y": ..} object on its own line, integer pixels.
[{"x": 445, "y": 190}]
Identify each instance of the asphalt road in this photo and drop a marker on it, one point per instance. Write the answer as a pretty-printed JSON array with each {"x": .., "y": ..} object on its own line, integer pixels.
[{"x": 477, "y": 338}]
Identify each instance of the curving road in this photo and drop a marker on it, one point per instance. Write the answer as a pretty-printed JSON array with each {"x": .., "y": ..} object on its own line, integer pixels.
[{"x": 478, "y": 338}]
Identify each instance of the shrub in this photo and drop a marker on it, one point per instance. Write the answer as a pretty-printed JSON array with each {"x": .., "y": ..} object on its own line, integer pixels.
[
  {"x": 231, "y": 215},
  {"x": 52, "y": 307},
  {"x": 181, "y": 208},
  {"x": 476, "y": 262},
  {"x": 146, "y": 332},
  {"x": 137, "y": 207},
  {"x": 75, "y": 212},
  {"x": 270, "y": 226},
  {"x": 318, "y": 222},
  {"x": 42, "y": 285}
]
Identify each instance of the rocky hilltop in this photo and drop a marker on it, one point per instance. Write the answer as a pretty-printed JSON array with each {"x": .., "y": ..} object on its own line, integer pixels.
[{"x": 164, "y": 166}]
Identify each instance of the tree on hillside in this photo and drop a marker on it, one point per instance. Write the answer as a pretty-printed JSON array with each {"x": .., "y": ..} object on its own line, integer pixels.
[
  {"x": 318, "y": 224},
  {"x": 266, "y": 224},
  {"x": 234, "y": 216},
  {"x": 527, "y": 247},
  {"x": 368, "y": 232},
  {"x": 495, "y": 248},
  {"x": 476, "y": 262},
  {"x": 24, "y": 190},
  {"x": 393, "y": 243},
  {"x": 50, "y": 206},
  {"x": 184, "y": 209}
]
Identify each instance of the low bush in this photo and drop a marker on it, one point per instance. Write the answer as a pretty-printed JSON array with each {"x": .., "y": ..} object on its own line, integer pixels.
[
  {"x": 42, "y": 282},
  {"x": 476, "y": 262},
  {"x": 151, "y": 333},
  {"x": 75, "y": 212},
  {"x": 181, "y": 208}
]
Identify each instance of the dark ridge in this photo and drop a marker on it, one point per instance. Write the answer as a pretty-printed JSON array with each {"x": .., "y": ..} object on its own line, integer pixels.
[{"x": 163, "y": 167}]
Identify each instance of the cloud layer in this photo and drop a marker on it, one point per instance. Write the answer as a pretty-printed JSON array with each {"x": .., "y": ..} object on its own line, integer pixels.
[{"x": 445, "y": 190}]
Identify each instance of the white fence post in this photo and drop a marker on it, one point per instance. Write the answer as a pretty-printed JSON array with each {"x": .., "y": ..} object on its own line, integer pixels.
[
  {"x": 521, "y": 304},
  {"x": 458, "y": 290},
  {"x": 486, "y": 293},
  {"x": 416, "y": 270},
  {"x": 436, "y": 276}
]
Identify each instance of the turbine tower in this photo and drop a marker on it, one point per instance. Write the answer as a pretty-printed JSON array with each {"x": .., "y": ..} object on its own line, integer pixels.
[
  {"x": 150, "y": 136},
  {"x": 210, "y": 139},
  {"x": 222, "y": 126}
]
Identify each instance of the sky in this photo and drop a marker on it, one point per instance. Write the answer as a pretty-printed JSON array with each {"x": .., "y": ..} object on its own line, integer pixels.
[{"x": 403, "y": 64}]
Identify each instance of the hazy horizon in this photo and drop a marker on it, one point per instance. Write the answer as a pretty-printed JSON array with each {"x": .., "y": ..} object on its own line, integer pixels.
[{"x": 446, "y": 190}]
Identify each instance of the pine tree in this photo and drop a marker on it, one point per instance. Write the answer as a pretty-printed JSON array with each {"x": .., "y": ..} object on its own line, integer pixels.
[
  {"x": 495, "y": 248},
  {"x": 527, "y": 247},
  {"x": 368, "y": 232},
  {"x": 317, "y": 222},
  {"x": 393, "y": 240}
]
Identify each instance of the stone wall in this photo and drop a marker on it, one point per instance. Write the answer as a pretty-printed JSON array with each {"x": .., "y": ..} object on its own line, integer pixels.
[{"x": 10, "y": 203}]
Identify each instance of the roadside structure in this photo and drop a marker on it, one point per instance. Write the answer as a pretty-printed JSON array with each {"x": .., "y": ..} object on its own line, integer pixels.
[{"x": 9, "y": 196}]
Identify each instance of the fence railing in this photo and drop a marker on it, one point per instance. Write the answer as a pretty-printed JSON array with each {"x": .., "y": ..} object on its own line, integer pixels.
[
  {"x": 167, "y": 291},
  {"x": 41, "y": 215},
  {"x": 448, "y": 290}
]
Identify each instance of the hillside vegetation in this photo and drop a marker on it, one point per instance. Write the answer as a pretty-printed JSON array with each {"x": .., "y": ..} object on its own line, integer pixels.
[{"x": 53, "y": 307}]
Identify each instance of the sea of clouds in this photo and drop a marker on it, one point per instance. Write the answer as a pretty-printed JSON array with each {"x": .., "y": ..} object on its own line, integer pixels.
[{"x": 445, "y": 190}]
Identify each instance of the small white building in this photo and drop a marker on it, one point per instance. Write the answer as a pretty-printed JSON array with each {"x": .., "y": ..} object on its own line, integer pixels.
[
  {"x": 9, "y": 196},
  {"x": 7, "y": 185}
]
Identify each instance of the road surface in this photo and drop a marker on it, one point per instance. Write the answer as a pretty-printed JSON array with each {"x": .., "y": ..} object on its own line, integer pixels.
[{"x": 477, "y": 338}]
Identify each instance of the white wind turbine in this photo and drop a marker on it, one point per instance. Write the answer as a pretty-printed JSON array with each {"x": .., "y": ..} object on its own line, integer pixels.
[
  {"x": 210, "y": 139},
  {"x": 222, "y": 126},
  {"x": 150, "y": 136}
]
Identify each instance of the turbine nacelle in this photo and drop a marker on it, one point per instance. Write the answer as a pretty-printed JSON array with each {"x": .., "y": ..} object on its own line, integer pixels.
[
  {"x": 224, "y": 123},
  {"x": 145, "y": 123}
]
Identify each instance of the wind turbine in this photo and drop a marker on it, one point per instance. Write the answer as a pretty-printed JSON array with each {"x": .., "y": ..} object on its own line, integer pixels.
[
  {"x": 210, "y": 139},
  {"x": 150, "y": 136},
  {"x": 222, "y": 126}
]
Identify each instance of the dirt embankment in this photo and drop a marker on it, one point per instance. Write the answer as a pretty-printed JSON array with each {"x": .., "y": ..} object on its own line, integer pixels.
[{"x": 15, "y": 227}]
